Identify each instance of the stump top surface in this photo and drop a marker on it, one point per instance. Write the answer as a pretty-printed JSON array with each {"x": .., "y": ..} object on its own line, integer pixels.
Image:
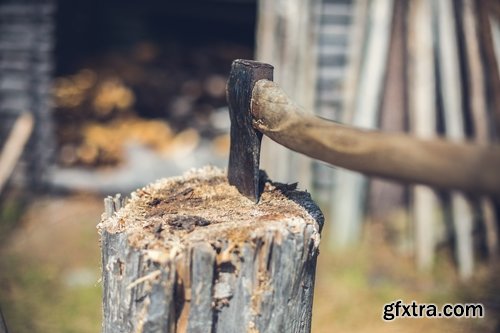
[{"x": 202, "y": 206}]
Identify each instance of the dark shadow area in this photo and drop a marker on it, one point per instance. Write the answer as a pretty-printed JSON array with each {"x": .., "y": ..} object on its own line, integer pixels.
[{"x": 88, "y": 28}]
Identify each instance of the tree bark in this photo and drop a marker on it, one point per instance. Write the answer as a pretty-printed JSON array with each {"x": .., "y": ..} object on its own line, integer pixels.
[{"x": 190, "y": 254}]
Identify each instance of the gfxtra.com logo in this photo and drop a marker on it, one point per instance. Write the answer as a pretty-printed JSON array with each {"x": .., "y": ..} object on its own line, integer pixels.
[{"x": 398, "y": 309}]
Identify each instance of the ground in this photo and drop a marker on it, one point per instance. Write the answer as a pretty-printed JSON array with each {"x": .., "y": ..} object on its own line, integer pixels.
[{"x": 50, "y": 269}]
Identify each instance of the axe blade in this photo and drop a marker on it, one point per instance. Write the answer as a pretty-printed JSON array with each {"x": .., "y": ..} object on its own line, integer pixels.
[{"x": 244, "y": 154}]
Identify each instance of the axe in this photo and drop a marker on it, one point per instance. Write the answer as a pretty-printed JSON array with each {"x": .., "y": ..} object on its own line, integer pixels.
[{"x": 258, "y": 106}]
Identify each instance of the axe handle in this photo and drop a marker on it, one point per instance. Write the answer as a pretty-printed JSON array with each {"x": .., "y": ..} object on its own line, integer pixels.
[{"x": 438, "y": 163}]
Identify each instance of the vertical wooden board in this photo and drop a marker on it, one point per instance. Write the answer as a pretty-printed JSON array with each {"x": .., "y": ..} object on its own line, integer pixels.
[
  {"x": 450, "y": 77},
  {"x": 340, "y": 35},
  {"x": 449, "y": 70},
  {"x": 495, "y": 35},
  {"x": 424, "y": 215},
  {"x": 286, "y": 38},
  {"x": 422, "y": 110},
  {"x": 490, "y": 220},
  {"x": 348, "y": 206},
  {"x": 374, "y": 65},
  {"x": 357, "y": 39},
  {"x": 26, "y": 47},
  {"x": 487, "y": 41},
  {"x": 478, "y": 110},
  {"x": 475, "y": 70},
  {"x": 463, "y": 227},
  {"x": 387, "y": 198},
  {"x": 13, "y": 147},
  {"x": 270, "y": 41}
]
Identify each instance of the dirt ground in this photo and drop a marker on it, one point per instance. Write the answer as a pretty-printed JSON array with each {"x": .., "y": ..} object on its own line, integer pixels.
[{"x": 50, "y": 269}]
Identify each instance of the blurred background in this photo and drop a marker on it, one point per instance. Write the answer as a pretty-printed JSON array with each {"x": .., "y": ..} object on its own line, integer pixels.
[{"x": 98, "y": 98}]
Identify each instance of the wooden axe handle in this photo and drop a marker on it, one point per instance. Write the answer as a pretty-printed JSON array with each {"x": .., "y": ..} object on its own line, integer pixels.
[{"x": 439, "y": 163}]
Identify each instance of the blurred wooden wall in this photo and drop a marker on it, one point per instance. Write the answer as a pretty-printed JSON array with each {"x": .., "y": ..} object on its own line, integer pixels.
[
  {"x": 428, "y": 68},
  {"x": 26, "y": 64}
]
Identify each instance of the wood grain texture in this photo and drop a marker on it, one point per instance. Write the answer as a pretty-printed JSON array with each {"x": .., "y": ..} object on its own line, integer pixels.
[
  {"x": 244, "y": 154},
  {"x": 451, "y": 78},
  {"x": 437, "y": 162},
  {"x": 246, "y": 268},
  {"x": 479, "y": 111},
  {"x": 425, "y": 204},
  {"x": 287, "y": 38},
  {"x": 484, "y": 9},
  {"x": 14, "y": 146},
  {"x": 385, "y": 198},
  {"x": 348, "y": 204},
  {"x": 27, "y": 38}
]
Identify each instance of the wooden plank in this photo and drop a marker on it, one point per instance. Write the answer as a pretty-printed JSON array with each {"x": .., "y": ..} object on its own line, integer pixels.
[
  {"x": 330, "y": 86},
  {"x": 348, "y": 202},
  {"x": 451, "y": 91},
  {"x": 479, "y": 115},
  {"x": 27, "y": 30},
  {"x": 286, "y": 38},
  {"x": 484, "y": 8},
  {"x": 190, "y": 254},
  {"x": 355, "y": 54},
  {"x": 14, "y": 146},
  {"x": 422, "y": 86},
  {"x": 387, "y": 198}
]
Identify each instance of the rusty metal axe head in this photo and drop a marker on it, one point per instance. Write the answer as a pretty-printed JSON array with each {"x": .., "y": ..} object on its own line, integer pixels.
[{"x": 243, "y": 169}]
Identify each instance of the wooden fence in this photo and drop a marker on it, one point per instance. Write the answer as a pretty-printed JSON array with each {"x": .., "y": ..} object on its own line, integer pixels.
[{"x": 425, "y": 67}]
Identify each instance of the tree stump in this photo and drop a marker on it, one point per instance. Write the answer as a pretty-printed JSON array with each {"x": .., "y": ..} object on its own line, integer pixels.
[{"x": 190, "y": 254}]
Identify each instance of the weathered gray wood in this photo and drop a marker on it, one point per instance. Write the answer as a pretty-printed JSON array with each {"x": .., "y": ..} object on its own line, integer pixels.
[
  {"x": 479, "y": 112},
  {"x": 421, "y": 101},
  {"x": 348, "y": 204},
  {"x": 451, "y": 92},
  {"x": 200, "y": 311},
  {"x": 387, "y": 198},
  {"x": 14, "y": 146},
  {"x": 190, "y": 254},
  {"x": 26, "y": 44},
  {"x": 484, "y": 9},
  {"x": 287, "y": 38}
]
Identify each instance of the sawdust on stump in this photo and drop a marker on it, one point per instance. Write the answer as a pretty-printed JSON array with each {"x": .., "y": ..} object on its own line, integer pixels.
[
  {"x": 208, "y": 246},
  {"x": 202, "y": 206}
]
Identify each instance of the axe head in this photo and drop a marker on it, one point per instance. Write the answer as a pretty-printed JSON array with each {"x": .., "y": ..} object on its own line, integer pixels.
[{"x": 244, "y": 155}]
